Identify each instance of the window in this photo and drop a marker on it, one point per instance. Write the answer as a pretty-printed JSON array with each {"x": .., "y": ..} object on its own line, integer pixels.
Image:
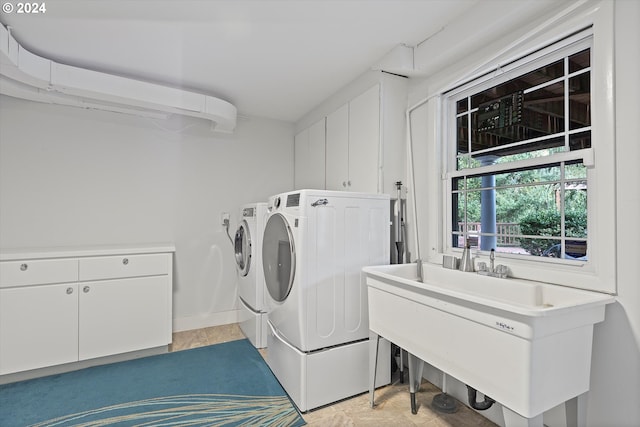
[
  {"x": 550, "y": 137},
  {"x": 519, "y": 150}
]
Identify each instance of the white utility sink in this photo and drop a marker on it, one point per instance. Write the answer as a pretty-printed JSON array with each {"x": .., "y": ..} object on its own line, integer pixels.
[{"x": 525, "y": 344}]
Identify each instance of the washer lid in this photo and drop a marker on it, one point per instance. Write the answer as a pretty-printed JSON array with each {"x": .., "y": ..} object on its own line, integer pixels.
[
  {"x": 278, "y": 257},
  {"x": 242, "y": 247}
]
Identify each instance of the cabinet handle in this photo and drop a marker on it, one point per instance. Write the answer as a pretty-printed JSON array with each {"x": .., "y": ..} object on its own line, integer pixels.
[
  {"x": 86, "y": 289},
  {"x": 69, "y": 290},
  {"x": 344, "y": 183},
  {"x": 349, "y": 183},
  {"x": 125, "y": 261},
  {"x": 23, "y": 267}
]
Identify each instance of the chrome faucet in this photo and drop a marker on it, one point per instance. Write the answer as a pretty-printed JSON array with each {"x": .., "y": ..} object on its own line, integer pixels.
[
  {"x": 501, "y": 271},
  {"x": 492, "y": 258}
]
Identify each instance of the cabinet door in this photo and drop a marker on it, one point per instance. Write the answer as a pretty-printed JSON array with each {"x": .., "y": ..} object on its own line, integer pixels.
[
  {"x": 38, "y": 327},
  {"x": 301, "y": 159},
  {"x": 337, "y": 168},
  {"x": 364, "y": 141},
  {"x": 310, "y": 157},
  {"x": 118, "y": 316}
]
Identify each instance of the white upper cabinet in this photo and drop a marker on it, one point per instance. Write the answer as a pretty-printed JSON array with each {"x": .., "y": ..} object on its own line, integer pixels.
[
  {"x": 309, "y": 152},
  {"x": 353, "y": 139},
  {"x": 364, "y": 138},
  {"x": 364, "y": 141},
  {"x": 337, "y": 165}
]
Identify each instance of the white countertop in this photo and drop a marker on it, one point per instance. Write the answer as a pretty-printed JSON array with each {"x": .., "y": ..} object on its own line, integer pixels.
[{"x": 13, "y": 254}]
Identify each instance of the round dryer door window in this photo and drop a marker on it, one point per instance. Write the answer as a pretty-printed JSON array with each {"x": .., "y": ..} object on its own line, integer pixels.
[
  {"x": 278, "y": 257},
  {"x": 242, "y": 246}
]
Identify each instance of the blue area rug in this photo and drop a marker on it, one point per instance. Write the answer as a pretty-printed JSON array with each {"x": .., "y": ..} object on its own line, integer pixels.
[{"x": 220, "y": 385}]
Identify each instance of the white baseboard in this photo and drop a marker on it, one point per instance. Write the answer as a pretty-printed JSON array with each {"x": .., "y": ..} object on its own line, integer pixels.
[
  {"x": 205, "y": 320},
  {"x": 74, "y": 366}
]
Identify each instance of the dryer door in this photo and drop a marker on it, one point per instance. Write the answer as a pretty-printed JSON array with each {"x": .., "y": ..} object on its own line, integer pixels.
[
  {"x": 242, "y": 246},
  {"x": 278, "y": 257}
]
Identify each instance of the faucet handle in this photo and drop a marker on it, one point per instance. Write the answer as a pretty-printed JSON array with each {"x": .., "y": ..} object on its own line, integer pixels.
[
  {"x": 419, "y": 271},
  {"x": 502, "y": 270},
  {"x": 482, "y": 266}
]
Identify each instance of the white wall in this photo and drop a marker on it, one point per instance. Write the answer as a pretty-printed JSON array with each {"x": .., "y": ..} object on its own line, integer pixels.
[
  {"x": 72, "y": 177},
  {"x": 615, "y": 379}
]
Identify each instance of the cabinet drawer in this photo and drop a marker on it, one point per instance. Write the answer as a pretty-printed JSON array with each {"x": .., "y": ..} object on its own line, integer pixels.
[
  {"x": 114, "y": 267},
  {"x": 35, "y": 272}
]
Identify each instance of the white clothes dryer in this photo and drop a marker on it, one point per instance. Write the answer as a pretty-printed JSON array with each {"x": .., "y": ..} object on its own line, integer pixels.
[
  {"x": 251, "y": 289},
  {"x": 314, "y": 247}
]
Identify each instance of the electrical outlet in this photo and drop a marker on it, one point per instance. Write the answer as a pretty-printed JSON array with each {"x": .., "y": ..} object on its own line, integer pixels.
[{"x": 225, "y": 218}]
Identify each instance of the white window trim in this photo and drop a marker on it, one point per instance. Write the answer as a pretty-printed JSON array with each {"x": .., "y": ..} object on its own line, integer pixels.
[{"x": 599, "y": 273}]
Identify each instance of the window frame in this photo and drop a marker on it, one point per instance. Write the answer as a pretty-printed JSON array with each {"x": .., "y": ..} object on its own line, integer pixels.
[
  {"x": 598, "y": 272},
  {"x": 527, "y": 64}
]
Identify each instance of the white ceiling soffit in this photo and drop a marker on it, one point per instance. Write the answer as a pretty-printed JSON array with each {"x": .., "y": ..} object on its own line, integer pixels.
[
  {"x": 29, "y": 76},
  {"x": 400, "y": 60}
]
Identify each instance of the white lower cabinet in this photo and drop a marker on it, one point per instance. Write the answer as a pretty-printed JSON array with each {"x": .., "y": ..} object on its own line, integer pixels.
[
  {"x": 109, "y": 304},
  {"x": 118, "y": 316},
  {"x": 38, "y": 327}
]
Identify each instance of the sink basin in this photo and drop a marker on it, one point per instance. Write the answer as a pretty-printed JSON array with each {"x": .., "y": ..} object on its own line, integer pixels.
[
  {"x": 522, "y": 300},
  {"x": 526, "y": 344}
]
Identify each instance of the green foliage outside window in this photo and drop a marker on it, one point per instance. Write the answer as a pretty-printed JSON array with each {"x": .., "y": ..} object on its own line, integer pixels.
[{"x": 546, "y": 222}]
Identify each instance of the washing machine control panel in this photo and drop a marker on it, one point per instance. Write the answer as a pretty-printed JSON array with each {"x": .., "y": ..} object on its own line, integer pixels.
[
  {"x": 248, "y": 212},
  {"x": 288, "y": 200}
]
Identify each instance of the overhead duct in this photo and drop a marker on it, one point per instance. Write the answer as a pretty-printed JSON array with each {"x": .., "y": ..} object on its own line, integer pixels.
[{"x": 28, "y": 76}]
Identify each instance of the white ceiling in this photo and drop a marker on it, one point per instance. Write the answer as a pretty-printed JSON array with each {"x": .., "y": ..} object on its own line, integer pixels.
[{"x": 274, "y": 59}]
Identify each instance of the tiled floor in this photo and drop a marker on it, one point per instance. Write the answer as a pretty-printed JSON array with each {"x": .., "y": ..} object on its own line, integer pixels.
[{"x": 392, "y": 402}]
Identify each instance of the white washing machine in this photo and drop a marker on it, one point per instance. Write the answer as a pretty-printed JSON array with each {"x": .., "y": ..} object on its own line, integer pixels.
[
  {"x": 251, "y": 289},
  {"x": 314, "y": 247}
]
